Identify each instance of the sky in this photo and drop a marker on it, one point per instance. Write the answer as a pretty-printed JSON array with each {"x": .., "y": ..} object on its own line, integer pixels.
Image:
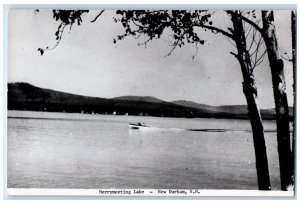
[{"x": 87, "y": 62}]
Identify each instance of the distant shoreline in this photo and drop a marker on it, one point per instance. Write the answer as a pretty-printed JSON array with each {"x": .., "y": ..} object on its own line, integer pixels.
[
  {"x": 26, "y": 97},
  {"x": 87, "y": 114}
]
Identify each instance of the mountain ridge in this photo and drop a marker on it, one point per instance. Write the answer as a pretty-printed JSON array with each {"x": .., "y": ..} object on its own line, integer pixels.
[
  {"x": 140, "y": 98},
  {"x": 24, "y": 96}
]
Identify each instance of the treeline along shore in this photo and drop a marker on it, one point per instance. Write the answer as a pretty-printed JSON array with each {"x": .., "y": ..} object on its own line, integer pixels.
[{"x": 24, "y": 96}]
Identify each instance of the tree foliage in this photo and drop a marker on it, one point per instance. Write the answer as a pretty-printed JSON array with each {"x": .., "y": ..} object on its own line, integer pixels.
[
  {"x": 181, "y": 25},
  {"x": 66, "y": 18},
  {"x": 153, "y": 23}
]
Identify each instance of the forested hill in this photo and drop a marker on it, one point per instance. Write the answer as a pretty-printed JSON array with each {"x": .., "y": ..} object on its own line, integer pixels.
[{"x": 24, "y": 96}]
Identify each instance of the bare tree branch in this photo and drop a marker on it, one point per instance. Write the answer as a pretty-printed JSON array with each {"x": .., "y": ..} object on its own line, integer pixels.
[
  {"x": 258, "y": 44},
  {"x": 97, "y": 16},
  {"x": 261, "y": 57},
  {"x": 253, "y": 38},
  {"x": 193, "y": 57},
  {"x": 287, "y": 58},
  {"x": 256, "y": 26},
  {"x": 234, "y": 54},
  {"x": 176, "y": 43},
  {"x": 145, "y": 42},
  {"x": 215, "y": 30},
  {"x": 60, "y": 34}
]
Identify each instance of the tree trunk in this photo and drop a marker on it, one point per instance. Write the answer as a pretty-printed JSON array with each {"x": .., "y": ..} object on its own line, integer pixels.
[
  {"x": 294, "y": 35},
  {"x": 262, "y": 169},
  {"x": 250, "y": 92},
  {"x": 281, "y": 104}
]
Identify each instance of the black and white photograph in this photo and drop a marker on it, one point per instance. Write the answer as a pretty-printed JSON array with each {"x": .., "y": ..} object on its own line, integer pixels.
[{"x": 151, "y": 102}]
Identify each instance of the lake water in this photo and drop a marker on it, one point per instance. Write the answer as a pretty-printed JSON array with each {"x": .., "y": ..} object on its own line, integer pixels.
[{"x": 63, "y": 150}]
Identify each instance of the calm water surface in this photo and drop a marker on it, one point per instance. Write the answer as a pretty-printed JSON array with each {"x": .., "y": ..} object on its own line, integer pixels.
[{"x": 61, "y": 150}]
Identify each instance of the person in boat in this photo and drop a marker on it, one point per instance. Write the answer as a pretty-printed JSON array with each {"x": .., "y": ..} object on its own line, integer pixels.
[
  {"x": 142, "y": 124},
  {"x": 138, "y": 124}
]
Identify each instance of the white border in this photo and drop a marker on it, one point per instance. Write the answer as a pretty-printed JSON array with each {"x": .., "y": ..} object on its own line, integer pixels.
[
  {"x": 117, "y": 3},
  {"x": 146, "y": 192}
]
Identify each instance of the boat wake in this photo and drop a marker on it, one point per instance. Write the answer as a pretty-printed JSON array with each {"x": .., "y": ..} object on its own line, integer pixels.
[{"x": 150, "y": 128}]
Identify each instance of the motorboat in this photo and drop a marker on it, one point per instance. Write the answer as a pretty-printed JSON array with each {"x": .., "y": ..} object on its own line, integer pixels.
[{"x": 137, "y": 125}]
